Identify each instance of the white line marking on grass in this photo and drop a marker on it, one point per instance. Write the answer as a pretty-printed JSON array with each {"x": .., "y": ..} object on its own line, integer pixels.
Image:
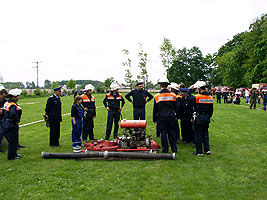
[
  {"x": 28, "y": 103},
  {"x": 43, "y": 119},
  {"x": 248, "y": 107}
]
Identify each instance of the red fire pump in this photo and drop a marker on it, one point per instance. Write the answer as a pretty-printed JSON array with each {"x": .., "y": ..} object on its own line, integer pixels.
[{"x": 133, "y": 139}]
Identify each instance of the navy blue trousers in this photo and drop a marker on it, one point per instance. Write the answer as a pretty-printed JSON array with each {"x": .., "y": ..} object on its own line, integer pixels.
[
  {"x": 76, "y": 133},
  {"x": 202, "y": 138},
  {"x": 12, "y": 136},
  {"x": 139, "y": 114},
  {"x": 113, "y": 116},
  {"x": 54, "y": 133},
  {"x": 88, "y": 128},
  {"x": 168, "y": 134}
]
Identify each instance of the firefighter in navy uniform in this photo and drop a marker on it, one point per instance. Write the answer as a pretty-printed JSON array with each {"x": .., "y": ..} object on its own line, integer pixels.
[
  {"x": 89, "y": 113},
  {"x": 187, "y": 102},
  {"x": 203, "y": 110},
  {"x": 12, "y": 115},
  {"x": 114, "y": 103},
  {"x": 165, "y": 115},
  {"x": 53, "y": 111},
  {"x": 139, "y": 101},
  {"x": 175, "y": 89},
  {"x": 3, "y": 94}
]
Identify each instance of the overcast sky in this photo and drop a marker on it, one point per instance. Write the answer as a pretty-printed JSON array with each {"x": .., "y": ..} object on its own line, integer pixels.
[{"x": 83, "y": 39}]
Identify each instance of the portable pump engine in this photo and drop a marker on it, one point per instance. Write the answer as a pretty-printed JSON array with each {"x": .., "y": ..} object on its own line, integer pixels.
[{"x": 134, "y": 135}]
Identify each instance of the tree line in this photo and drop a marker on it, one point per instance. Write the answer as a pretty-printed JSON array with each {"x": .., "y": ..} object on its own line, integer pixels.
[{"x": 240, "y": 62}]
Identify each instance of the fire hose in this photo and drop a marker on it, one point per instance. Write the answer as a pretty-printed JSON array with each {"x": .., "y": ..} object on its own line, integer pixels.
[{"x": 106, "y": 154}]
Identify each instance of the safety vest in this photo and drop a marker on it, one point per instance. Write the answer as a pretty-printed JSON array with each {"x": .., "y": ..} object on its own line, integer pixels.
[
  {"x": 165, "y": 97},
  {"x": 86, "y": 98},
  {"x": 109, "y": 96},
  {"x": 7, "y": 106},
  {"x": 204, "y": 99}
]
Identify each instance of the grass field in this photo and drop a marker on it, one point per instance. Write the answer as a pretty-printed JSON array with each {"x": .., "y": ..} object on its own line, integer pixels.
[{"x": 237, "y": 168}]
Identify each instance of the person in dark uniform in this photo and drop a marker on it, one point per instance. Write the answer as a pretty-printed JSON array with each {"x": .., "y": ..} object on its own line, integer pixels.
[
  {"x": 89, "y": 113},
  {"x": 3, "y": 94},
  {"x": 165, "y": 115},
  {"x": 253, "y": 98},
  {"x": 218, "y": 96},
  {"x": 139, "y": 101},
  {"x": 225, "y": 95},
  {"x": 114, "y": 103},
  {"x": 53, "y": 111},
  {"x": 175, "y": 90},
  {"x": 77, "y": 124},
  {"x": 187, "y": 102},
  {"x": 237, "y": 100},
  {"x": 203, "y": 110},
  {"x": 12, "y": 115}
]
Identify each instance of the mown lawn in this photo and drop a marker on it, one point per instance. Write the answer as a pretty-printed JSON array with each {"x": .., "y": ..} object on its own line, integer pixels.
[{"x": 236, "y": 169}]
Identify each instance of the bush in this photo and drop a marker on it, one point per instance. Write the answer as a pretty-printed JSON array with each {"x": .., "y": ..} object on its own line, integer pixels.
[
  {"x": 24, "y": 93},
  {"x": 37, "y": 92},
  {"x": 100, "y": 89}
]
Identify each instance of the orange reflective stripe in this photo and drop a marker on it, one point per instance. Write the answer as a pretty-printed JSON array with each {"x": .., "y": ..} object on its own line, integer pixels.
[
  {"x": 165, "y": 97},
  {"x": 86, "y": 99},
  {"x": 7, "y": 106},
  {"x": 205, "y": 99}
]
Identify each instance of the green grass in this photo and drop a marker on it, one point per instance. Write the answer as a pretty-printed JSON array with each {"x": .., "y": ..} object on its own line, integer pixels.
[{"x": 236, "y": 169}]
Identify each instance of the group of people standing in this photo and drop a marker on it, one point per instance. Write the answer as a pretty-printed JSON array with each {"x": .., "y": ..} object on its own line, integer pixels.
[
  {"x": 10, "y": 115},
  {"x": 252, "y": 97},
  {"x": 174, "y": 102}
]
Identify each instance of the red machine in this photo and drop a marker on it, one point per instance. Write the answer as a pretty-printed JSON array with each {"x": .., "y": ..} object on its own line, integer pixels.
[{"x": 133, "y": 139}]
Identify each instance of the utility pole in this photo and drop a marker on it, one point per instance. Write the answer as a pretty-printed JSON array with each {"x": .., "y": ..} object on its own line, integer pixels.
[{"x": 37, "y": 71}]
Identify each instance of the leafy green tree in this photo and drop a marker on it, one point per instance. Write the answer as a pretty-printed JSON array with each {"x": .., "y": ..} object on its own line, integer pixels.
[
  {"x": 54, "y": 84},
  {"x": 128, "y": 73},
  {"x": 167, "y": 54},
  {"x": 47, "y": 84},
  {"x": 142, "y": 65},
  {"x": 30, "y": 85},
  {"x": 108, "y": 82},
  {"x": 71, "y": 84},
  {"x": 190, "y": 66}
]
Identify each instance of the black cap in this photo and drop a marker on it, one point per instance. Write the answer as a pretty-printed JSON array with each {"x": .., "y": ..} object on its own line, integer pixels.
[
  {"x": 139, "y": 83},
  {"x": 183, "y": 90},
  {"x": 57, "y": 88}
]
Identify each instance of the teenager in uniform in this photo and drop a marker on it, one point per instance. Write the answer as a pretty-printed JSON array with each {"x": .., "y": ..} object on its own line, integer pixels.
[
  {"x": 89, "y": 113},
  {"x": 165, "y": 115},
  {"x": 12, "y": 115},
  {"x": 114, "y": 103},
  {"x": 3, "y": 94},
  {"x": 203, "y": 110}
]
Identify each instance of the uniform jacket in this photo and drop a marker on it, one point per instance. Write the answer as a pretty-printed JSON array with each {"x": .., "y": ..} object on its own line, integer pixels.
[
  {"x": 139, "y": 98},
  {"x": 113, "y": 102},
  {"x": 12, "y": 114},
  {"x": 53, "y": 109},
  {"x": 89, "y": 102},
  {"x": 166, "y": 106},
  {"x": 2, "y": 102},
  {"x": 203, "y": 104},
  {"x": 187, "y": 103}
]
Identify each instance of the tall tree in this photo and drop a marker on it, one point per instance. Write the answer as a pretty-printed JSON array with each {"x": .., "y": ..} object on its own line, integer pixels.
[
  {"x": 167, "y": 54},
  {"x": 54, "y": 84},
  {"x": 142, "y": 65},
  {"x": 30, "y": 85},
  {"x": 108, "y": 82},
  {"x": 128, "y": 71},
  {"x": 47, "y": 84},
  {"x": 71, "y": 84},
  {"x": 190, "y": 66}
]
